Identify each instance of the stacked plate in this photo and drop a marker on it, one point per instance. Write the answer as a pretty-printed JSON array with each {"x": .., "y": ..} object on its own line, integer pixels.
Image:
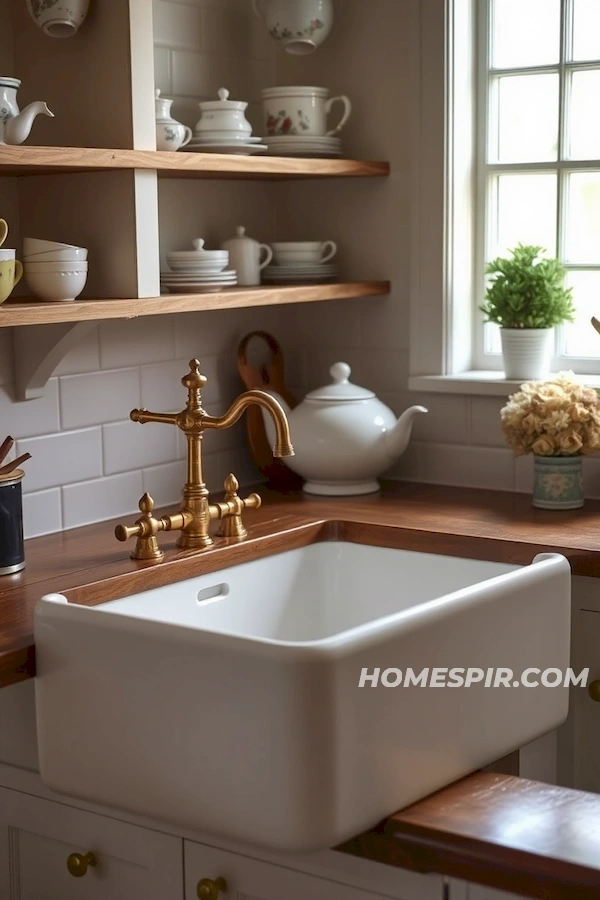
[
  {"x": 300, "y": 273},
  {"x": 198, "y": 271},
  {"x": 303, "y": 145},
  {"x": 244, "y": 146}
]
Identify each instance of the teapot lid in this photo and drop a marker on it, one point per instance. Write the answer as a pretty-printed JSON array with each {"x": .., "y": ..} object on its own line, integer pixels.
[
  {"x": 223, "y": 103},
  {"x": 341, "y": 389}
]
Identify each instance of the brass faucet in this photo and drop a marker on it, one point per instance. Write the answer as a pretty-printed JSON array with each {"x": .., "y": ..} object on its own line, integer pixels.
[{"x": 196, "y": 513}]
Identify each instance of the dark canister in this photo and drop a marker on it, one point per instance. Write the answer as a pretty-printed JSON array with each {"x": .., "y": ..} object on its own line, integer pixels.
[{"x": 12, "y": 550}]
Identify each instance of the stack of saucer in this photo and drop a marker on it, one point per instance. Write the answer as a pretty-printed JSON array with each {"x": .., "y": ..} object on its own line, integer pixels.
[
  {"x": 197, "y": 271},
  {"x": 303, "y": 145},
  {"x": 302, "y": 262}
]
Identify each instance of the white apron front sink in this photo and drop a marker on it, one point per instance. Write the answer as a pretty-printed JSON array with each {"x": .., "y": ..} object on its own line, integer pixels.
[{"x": 230, "y": 703}]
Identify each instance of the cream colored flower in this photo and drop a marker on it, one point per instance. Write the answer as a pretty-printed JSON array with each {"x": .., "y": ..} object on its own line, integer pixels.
[
  {"x": 569, "y": 443},
  {"x": 544, "y": 446}
]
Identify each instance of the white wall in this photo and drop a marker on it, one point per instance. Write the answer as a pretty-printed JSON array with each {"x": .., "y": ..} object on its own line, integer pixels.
[{"x": 90, "y": 463}]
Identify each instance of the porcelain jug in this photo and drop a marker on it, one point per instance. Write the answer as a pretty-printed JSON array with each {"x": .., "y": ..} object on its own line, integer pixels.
[
  {"x": 344, "y": 437},
  {"x": 170, "y": 134},
  {"x": 247, "y": 257},
  {"x": 14, "y": 125},
  {"x": 300, "y": 26}
]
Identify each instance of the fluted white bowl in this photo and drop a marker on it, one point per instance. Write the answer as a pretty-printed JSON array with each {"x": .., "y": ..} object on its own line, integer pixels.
[{"x": 56, "y": 286}]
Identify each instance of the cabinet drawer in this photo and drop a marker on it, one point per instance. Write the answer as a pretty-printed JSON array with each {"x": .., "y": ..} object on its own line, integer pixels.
[
  {"x": 252, "y": 879},
  {"x": 38, "y": 836}
]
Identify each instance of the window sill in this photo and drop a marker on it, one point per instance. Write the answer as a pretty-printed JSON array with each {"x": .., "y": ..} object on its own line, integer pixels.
[{"x": 476, "y": 383}]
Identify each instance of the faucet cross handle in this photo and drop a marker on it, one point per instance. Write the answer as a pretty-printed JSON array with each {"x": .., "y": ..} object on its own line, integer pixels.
[
  {"x": 232, "y": 507},
  {"x": 145, "y": 529}
]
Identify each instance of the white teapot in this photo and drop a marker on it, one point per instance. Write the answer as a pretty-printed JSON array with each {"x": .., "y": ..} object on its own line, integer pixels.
[{"x": 343, "y": 436}]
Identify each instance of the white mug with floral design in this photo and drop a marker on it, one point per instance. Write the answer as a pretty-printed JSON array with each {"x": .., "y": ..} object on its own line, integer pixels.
[{"x": 301, "y": 111}]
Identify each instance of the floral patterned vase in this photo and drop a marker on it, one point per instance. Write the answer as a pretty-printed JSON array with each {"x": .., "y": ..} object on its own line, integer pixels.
[{"x": 558, "y": 482}]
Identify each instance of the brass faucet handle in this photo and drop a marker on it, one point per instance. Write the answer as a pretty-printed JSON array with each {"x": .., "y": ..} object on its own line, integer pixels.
[
  {"x": 145, "y": 529},
  {"x": 232, "y": 507}
]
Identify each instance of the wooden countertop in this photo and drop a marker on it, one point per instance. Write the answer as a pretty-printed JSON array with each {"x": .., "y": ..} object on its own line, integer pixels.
[
  {"x": 536, "y": 840},
  {"x": 90, "y": 566}
]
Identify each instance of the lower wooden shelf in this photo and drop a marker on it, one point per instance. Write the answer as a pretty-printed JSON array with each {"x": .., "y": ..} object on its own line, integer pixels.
[{"x": 26, "y": 311}]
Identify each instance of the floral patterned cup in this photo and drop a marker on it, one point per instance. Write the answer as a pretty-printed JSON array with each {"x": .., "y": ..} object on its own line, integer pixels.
[
  {"x": 58, "y": 18},
  {"x": 301, "y": 111}
]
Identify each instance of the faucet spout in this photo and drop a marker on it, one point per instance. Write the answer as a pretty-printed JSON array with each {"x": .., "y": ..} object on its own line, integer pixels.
[{"x": 283, "y": 443}]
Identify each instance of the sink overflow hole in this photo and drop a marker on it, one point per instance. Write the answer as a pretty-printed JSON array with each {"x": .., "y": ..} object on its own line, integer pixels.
[{"x": 215, "y": 592}]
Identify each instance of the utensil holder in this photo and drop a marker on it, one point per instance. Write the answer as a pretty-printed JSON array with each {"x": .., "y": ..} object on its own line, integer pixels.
[{"x": 12, "y": 549}]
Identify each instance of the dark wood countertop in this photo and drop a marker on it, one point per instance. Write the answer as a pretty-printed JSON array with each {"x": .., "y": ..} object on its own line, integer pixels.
[
  {"x": 91, "y": 566},
  {"x": 533, "y": 839}
]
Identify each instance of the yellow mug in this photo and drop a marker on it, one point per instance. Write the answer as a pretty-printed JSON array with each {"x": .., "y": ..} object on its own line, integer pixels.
[
  {"x": 11, "y": 272},
  {"x": 3, "y": 231}
]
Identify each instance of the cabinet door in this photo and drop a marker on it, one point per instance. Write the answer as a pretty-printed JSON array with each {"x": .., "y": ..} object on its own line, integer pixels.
[
  {"x": 478, "y": 892},
  {"x": 251, "y": 879},
  {"x": 587, "y": 711},
  {"x": 38, "y": 836}
]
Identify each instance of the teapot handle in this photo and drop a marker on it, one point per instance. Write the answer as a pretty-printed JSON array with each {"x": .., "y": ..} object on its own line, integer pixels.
[{"x": 256, "y": 6}]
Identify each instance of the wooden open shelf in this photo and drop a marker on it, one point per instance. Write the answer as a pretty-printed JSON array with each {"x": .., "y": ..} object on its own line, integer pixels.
[
  {"x": 26, "y": 311},
  {"x": 21, "y": 160}
]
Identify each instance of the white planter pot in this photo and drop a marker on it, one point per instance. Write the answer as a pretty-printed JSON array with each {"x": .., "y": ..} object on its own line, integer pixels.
[{"x": 526, "y": 352}]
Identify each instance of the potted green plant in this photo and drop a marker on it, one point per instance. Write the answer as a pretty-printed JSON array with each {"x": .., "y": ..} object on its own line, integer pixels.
[{"x": 527, "y": 298}]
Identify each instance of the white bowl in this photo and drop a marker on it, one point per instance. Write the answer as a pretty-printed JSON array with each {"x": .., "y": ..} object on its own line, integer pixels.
[
  {"x": 35, "y": 245},
  {"x": 55, "y": 266},
  {"x": 212, "y": 268},
  {"x": 73, "y": 254},
  {"x": 56, "y": 286}
]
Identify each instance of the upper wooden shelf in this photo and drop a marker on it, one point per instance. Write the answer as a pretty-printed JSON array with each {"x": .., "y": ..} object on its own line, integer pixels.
[
  {"x": 25, "y": 160},
  {"x": 25, "y": 311}
]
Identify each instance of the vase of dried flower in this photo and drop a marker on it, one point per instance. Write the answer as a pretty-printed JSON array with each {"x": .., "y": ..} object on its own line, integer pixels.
[{"x": 558, "y": 482}]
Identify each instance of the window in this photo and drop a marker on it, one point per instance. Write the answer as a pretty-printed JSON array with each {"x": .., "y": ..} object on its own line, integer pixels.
[{"x": 538, "y": 170}]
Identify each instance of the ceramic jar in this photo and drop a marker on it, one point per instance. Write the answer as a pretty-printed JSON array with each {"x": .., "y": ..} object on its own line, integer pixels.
[
  {"x": 301, "y": 111},
  {"x": 223, "y": 119},
  {"x": 558, "y": 482},
  {"x": 247, "y": 257},
  {"x": 300, "y": 26},
  {"x": 58, "y": 18},
  {"x": 170, "y": 134}
]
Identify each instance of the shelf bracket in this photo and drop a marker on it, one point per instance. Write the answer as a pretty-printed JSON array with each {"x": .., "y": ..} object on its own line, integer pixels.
[{"x": 38, "y": 349}]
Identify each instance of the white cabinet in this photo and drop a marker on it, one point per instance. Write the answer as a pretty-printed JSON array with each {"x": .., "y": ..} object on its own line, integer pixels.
[
  {"x": 586, "y": 711},
  {"x": 38, "y": 836},
  {"x": 251, "y": 879}
]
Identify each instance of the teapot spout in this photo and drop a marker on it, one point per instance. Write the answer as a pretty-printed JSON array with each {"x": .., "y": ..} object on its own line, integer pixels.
[
  {"x": 397, "y": 439},
  {"x": 18, "y": 127}
]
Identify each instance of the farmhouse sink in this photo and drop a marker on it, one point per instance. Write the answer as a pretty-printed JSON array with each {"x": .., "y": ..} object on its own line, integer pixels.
[{"x": 230, "y": 703}]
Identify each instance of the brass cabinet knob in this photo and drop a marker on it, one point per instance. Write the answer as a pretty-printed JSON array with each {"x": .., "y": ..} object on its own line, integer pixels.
[
  {"x": 77, "y": 863},
  {"x": 209, "y": 890},
  {"x": 594, "y": 690}
]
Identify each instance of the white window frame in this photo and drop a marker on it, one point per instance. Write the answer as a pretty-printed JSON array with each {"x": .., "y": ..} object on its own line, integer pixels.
[{"x": 444, "y": 211}]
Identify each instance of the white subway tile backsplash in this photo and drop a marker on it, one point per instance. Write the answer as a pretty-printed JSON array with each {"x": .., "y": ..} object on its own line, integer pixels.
[
  {"x": 6, "y": 356},
  {"x": 226, "y": 31},
  {"x": 84, "y": 356},
  {"x": 164, "y": 483},
  {"x": 101, "y": 499},
  {"x": 524, "y": 474},
  {"x": 129, "y": 445},
  {"x": 59, "y": 459},
  {"x": 42, "y": 513},
  {"x": 477, "y": 467},
  {"x": 29, "y": 418},
  {"x": 136, "y": 342},
  {"x": 161, "y": 387},
  {"x": 176, "y": 25},
  {"x": 162, "y": 70},
  {"x": 446, "y": 420},
  {"x": 192, "y": 75},
  {"x": 98, "y": 397},
  {"x": 486, "y": 430}
]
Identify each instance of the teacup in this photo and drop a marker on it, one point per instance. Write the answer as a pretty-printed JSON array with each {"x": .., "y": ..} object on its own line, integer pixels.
[
  {"x": 11, "y": 272},
  {"x": 301, "y": 111},
  {"x": 290, "y": 253},
  {"x": 3, "y": 231}
]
